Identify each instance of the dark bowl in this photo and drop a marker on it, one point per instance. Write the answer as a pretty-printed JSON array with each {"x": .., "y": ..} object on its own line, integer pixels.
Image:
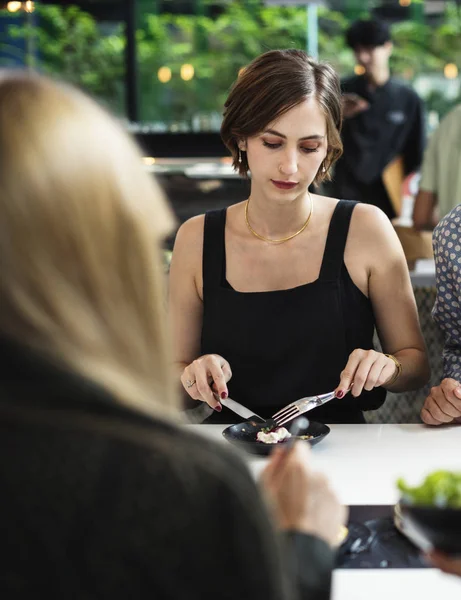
[
  {"x": 243, "y": 435},
  {"x": 441, "y": 527}
]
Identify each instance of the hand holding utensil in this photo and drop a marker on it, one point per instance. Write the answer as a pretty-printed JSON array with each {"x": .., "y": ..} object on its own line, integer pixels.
[
  {"x": 299, "y": 407},
  {"x": 301, "y": 498}
]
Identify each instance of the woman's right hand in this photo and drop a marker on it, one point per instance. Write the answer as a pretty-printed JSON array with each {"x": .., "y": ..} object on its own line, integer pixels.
[
  {"x": 206, "y": 378},
  {"x": 302, "y": 499}
]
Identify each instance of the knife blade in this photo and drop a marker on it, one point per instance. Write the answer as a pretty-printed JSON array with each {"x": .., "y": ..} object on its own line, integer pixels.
[{"x": 239, "y": 409}]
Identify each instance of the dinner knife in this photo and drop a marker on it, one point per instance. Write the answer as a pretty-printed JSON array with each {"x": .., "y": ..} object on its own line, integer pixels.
[{"x": 239, "y": 409}]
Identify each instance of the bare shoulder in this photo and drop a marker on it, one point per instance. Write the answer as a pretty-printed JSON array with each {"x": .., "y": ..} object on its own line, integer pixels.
[
  {"x": 324, "y": 207},
  {"x": 191, "y": 231},
  {"x": 234, "y": 217},
  {"x": 370, "y": 224},
  {"x": 189, "y": 239},
  {"x": 186, "y": 261},
  {"x": 367, "y": 220},
  {"x": 373, "y": 237},
  {"x": 325, "y": 203}
]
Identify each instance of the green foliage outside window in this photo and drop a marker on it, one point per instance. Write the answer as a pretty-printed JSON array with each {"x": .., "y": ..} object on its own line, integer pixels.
[{"x": 72, "y": 45}]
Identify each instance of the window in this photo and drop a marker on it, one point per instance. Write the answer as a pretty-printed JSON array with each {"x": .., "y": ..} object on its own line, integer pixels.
[{"x": 84, "y": 44}]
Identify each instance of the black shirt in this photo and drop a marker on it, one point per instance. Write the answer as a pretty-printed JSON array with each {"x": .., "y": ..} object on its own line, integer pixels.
[
  {"x": 392, "y": 126},
  {"x": 99, "y": 502},
  {"x": 287, "y": 344}
]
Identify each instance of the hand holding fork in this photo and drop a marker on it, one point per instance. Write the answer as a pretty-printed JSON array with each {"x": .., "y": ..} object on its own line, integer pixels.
[{"x": 299, "y": 407}]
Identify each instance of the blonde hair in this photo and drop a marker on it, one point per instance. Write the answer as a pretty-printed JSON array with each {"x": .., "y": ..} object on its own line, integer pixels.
[{"x": 81, "y": 277}]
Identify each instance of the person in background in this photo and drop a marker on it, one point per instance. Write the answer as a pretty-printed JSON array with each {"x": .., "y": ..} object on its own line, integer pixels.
[
  {"x": 443, "y": 404},
  {"x": 440, "y": 184},
  {"x": 277, "y": 298},
  {"x": 103, "y": 496},
  {"x": 383, "y": 121}
]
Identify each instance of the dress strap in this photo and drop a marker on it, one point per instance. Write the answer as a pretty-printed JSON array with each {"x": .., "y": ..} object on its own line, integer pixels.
[
  {"x": 214, "y": 250},
  {"x": 333, "y": 257}
]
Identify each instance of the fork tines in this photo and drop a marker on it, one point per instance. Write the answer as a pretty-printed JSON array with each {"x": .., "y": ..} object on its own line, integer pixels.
[{"x": 286, "y": 414}]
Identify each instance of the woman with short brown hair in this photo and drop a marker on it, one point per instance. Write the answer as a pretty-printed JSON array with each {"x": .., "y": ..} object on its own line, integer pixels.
[{"x": 277, "y": 297}]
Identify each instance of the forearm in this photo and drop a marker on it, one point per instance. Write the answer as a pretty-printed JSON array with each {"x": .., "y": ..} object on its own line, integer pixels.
[
  {"x": 415, "y": 370},
  {"x": 424, "y": 209},
  {"x": 435, "y": 217}
]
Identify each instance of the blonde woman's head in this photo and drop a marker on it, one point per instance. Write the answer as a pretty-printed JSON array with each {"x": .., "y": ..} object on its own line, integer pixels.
[{"x": 81, "y": 224}]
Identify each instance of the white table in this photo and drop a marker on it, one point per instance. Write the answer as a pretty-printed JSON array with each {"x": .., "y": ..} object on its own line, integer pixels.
[{"x": 363, "y": 463}]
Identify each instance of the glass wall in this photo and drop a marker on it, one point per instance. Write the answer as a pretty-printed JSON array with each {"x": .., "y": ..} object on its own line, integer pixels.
[
  {"x": 188, "y": 52},
  {"x": 187, "y": 62},
  {"x": 68, "y": 42},
  {"x": 191, "y": 52}
]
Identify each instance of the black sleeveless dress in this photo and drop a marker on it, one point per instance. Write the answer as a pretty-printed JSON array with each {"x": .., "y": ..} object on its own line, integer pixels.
[{"x": 286, "y": 344}]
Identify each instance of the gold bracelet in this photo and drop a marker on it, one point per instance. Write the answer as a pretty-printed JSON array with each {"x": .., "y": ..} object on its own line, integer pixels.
[{"x": 398, "y": 371}]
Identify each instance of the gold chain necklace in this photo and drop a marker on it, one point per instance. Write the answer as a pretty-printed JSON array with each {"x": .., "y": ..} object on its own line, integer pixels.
[{"x": 281, "y": 240}]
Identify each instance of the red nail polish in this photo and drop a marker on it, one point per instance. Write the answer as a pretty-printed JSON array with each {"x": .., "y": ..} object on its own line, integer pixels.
[
  {"x": 218, "y": 408},
  {"x": 339, "y": 394},
  {"x": 223, "y": 395}
]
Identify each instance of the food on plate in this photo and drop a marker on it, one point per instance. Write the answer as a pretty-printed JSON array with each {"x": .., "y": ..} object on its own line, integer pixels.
[
  {"x": 268, "y": 436},
  {"x": 274, "y": 436},
  {"x": 441, "y": 489}
]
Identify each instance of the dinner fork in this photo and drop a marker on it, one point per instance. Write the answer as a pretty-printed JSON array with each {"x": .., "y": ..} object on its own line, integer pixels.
[{"x": 299, "y": 407}]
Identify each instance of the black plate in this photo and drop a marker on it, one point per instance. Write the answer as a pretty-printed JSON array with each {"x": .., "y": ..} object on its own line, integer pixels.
[
  {"x": 244, "y": 434},
  {"x": 440, "y": 526}
]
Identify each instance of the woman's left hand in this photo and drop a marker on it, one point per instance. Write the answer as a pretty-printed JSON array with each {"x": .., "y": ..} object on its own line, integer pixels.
[{"x": 365, "y": 369}]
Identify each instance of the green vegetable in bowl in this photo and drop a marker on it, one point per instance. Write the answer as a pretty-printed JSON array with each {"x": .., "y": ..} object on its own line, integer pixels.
[{"x": 441, "y": 489}]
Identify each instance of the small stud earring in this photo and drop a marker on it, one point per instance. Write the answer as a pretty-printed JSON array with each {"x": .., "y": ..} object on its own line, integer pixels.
[{"x": 324, "y": 169}]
